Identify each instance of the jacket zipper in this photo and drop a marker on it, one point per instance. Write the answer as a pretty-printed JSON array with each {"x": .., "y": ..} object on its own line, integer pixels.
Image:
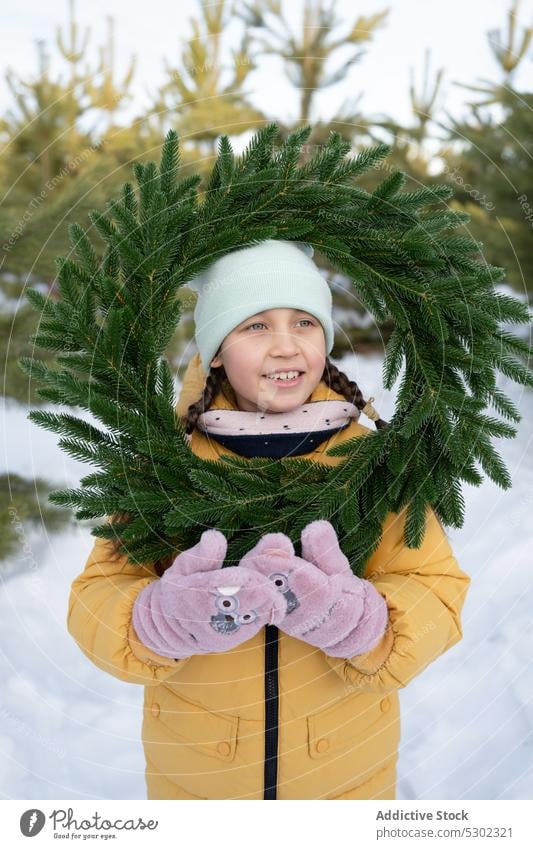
[{"x": 271, "y": 712}]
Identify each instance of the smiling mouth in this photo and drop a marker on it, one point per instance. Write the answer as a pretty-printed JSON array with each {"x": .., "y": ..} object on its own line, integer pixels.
[{"x": 274, "y": 377}]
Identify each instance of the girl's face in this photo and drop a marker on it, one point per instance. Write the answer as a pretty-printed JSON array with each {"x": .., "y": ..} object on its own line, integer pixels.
[{"x": 280, "y": 339}]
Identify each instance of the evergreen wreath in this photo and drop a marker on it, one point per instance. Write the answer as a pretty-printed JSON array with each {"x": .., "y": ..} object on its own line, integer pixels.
[{"x": 116, "y": 315}]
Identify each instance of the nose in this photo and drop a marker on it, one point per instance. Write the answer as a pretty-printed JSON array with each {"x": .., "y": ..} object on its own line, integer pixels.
[{"x": 284, "y": 342}]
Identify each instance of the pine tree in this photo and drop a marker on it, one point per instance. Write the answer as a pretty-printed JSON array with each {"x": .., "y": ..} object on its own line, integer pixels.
[
  {"x": 202, "y": 92},
  {"x": 306, "y": 57},
  {"x": 107, "y": 95},
  {"x": 409, "y": 154},
  {"x": 116, "y": 316},
  {"x": 490, "y": 160}
]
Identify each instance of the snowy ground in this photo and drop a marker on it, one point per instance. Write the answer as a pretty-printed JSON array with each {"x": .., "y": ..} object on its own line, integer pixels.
[{"x": 70, "y": 731}]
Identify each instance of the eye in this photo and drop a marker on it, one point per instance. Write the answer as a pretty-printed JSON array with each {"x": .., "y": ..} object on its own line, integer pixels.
[
  {"x": 227, "y": 603},
  {"x": 247, "y": 618},
  {"x": 280, "y": 580}
]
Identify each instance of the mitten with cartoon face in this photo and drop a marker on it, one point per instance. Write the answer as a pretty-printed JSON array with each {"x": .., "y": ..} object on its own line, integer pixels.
[
  {"x": 197, "y": 607},
  {"x": 326, "y": 604}
]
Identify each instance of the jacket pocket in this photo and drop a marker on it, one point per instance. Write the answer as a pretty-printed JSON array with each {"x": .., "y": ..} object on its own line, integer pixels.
[
  {"x": 214, "y": 734},
  {"x": 338, "y": 726}
]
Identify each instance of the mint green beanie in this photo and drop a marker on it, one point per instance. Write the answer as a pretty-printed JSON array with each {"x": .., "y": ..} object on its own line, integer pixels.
[{"x": 273, "y": 273}]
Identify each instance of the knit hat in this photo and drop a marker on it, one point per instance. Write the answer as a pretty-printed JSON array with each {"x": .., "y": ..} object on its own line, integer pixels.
[{"x": 273, "y": 273}]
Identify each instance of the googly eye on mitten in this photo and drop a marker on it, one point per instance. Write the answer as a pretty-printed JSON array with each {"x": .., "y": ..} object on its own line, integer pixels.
[
  {"x": 197, "y": 607},
  {"x": 326, "y": 604}
]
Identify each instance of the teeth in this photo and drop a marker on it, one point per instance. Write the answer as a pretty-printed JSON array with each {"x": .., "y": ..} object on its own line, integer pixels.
[{"x": 283, "y": 375}]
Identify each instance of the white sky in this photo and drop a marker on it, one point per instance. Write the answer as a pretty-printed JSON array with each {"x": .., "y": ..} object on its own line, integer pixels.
[{"x": 455, "y": 31}]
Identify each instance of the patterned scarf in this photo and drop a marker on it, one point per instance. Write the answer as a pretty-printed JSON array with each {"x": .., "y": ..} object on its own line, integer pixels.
[
  {"x": 295, "y": 432},
  {"x": 315, "y": 415}
]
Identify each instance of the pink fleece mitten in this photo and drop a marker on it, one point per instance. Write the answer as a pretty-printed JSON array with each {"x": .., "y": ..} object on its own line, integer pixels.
[
  {"x": 327, "y": 605},
  {"x": 196, "y": 607}
]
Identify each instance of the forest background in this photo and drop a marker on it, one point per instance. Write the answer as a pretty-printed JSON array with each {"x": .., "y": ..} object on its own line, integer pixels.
[{"x": 86, "y": 90}]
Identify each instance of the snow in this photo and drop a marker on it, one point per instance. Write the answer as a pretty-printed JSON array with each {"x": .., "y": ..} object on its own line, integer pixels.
[{"x": 69, "y": 731}]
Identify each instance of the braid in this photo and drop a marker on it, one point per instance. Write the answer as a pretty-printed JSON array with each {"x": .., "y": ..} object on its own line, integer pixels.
[
  {"x": 213, "y": 384},
  {"x": 341, "y": 383}
]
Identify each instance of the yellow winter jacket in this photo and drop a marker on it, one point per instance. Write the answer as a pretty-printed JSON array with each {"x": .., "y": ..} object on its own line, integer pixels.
[{"x": 339, "y": 721}]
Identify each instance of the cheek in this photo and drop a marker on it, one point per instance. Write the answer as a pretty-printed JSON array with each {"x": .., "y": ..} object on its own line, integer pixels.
[
  {"x": 316, "y": 348},
  {"x": 243, "y": 365},
  {"x": 316, "y": 358}
]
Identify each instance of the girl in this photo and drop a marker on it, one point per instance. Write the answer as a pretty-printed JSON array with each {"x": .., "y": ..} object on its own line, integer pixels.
[{"x": 277, "y": 678}]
